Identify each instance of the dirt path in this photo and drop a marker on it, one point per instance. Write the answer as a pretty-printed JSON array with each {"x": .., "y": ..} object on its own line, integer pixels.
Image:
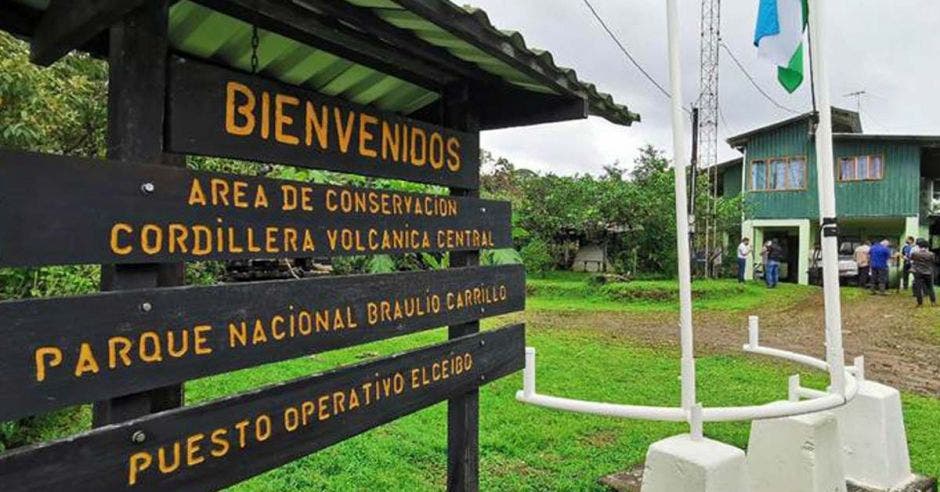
[{"x": 901, "y": 344}]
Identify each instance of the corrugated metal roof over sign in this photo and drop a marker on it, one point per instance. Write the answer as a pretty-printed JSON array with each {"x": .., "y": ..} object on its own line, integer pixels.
[{"x": 218, "y": 30}]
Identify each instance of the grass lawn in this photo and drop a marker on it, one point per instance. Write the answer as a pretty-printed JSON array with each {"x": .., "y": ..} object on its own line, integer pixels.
[
  {"x": 530, "y": 448},
  {"x": 568, "y": 291}
]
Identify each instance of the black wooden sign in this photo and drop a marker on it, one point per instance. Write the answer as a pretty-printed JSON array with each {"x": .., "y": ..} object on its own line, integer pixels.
[
  {"x": 61, "y": 210},
  {"x": 219, "y": 112},
  {"x": 58, "y": 352},
  {"x": 223, "y": 442}
]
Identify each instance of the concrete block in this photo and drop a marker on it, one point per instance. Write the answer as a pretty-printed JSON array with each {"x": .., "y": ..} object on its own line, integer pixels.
[
  {"x": 796, "y": 454},
  {"x": 873, "y": 438},
  {"x": 679, "y": 464}
]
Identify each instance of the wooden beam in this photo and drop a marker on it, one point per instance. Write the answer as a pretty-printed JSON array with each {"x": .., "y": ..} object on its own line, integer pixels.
[
  {"x": 302, "y": 25},
  {"x": 18, "y": 19},
  {"x": 136, "y": 93},
  {"x": 69, "y": 24},
  {"x": 463, "y": 411},
  {"x": 513, "y": 107}
]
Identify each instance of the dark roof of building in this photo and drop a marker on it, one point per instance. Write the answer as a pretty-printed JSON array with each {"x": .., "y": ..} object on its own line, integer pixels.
[
  {"x": 843, "y": 121},
  {"x": 397, "y": 55},
  {"x": 737, "y": 161},
  {"x": 925, "y": 140}
]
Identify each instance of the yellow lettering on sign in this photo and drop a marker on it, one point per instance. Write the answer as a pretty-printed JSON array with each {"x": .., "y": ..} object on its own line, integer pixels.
[
  {"x": 281, "y": 119},
  {"x": 366, "y": 135},
  {"x": 418, "y": 159},
  {"x": 54, "y": 354},
  {"x": 116, "y": 247},
  {"x": 318, "y": 124},
  {"x": 86, "y": 361},
  {"x": 453, "y": 154},
  {"x": 138, "y": 462},
  {"x": 344, "y": 131},
  {"x": 246, "y": 110},
  {"x": 196, "y": 195}
]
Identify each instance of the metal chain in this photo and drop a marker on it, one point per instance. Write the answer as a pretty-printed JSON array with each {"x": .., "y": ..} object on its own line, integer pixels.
[{"x": 255, "y": 41}]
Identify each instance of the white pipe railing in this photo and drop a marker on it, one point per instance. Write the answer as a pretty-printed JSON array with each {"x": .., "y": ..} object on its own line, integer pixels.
[{"x": 816, "y": 401}]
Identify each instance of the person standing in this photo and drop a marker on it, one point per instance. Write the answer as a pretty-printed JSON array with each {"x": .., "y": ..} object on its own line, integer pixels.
[
  {"x": 906, "y": 252},
  {"x": 765, "y": 260},
  {"x": 861, "y": 260},
  {"x": 744, "y": 251},
  {"x": 879, "y": 254},
  {"x": 922, "y": 265},
  {"x": 774, "y": 257}
]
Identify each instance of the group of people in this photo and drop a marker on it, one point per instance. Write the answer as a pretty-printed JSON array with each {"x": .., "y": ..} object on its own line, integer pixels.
[
  {"x": 915, "y": 258},
  {"x": 772, "y": 255}
]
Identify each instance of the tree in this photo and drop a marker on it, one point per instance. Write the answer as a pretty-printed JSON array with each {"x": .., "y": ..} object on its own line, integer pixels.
[
  {"x": 650, "y": 162},
  {"x": 61, "y": 109}
]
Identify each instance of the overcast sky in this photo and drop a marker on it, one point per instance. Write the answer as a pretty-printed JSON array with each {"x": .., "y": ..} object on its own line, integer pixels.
[{"x": 889, "y": 48}]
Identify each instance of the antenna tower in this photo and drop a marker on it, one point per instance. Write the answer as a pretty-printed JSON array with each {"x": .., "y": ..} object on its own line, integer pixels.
[{"x": 707, "y": 159}]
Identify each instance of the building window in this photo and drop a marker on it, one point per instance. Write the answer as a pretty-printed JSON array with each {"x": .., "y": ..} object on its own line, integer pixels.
[
  {"x": 861, "y": 168},
  {"x": 758, "y": 175},
  {"x": 778, "y": 174},
  {"x": 797, "y": 173}
]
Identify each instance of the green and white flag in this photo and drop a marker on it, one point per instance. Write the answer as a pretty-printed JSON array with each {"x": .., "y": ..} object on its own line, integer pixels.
[{"x": 779, "y": 38}]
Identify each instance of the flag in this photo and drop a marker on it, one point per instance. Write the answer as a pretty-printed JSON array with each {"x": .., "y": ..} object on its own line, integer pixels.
[{"x": 779, "y": 38}]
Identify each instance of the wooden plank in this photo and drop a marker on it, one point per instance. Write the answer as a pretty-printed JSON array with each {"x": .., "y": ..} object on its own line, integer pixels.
[
  {"x": 137, "y": 55},
  {"x": 68, "y": 24},
  {"x": 65, "y": 351},
  {"x": 223, "y": 442},
  {"x": 220, "y": 112},
  {"x": 463, "y": 411},
  {"x": 60, "y": 210}
]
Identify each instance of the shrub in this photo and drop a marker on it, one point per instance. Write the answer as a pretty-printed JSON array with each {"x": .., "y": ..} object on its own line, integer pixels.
[
  {"x": 536, "y": 257},
  {"x": 669, "y": 290}
]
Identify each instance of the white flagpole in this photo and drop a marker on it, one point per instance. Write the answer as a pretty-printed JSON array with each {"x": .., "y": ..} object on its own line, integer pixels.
[
  {"x": 679, "y": 156},
  {"x": 827, "y": 199}
]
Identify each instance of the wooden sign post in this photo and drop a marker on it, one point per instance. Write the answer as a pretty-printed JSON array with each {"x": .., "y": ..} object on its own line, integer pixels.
[
  {"x": 143, "y": 214},
  {"x": 136, "y": 89}
]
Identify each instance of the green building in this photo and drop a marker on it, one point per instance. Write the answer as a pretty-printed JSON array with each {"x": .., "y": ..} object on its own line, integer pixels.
[{"x": 886, "y": 186}]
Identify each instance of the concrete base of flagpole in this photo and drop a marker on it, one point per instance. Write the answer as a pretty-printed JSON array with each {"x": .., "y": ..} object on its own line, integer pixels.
[
  {"x": 796, "y": 454},
  {"x": 680, "y": 464},
  {"x": 874, "y": 440}
]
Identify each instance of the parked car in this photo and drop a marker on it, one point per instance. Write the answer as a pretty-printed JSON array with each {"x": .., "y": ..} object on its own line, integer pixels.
[{"x": 848, "y": 267}]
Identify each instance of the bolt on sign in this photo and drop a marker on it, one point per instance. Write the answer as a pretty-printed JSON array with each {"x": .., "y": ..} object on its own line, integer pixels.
[
  {"x": 219, "y": 112},
  {"x": 223, "y": 442},
  {"x": 62, "y": 210}
]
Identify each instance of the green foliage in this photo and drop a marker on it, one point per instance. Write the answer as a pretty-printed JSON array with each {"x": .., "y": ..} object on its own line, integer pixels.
[
  {"x": 632, "y": 211},
  {"x": 204, "y": 272},
  {"x": 381, "y": 264},
  {"x": 536, "y": 257},
  {"x": 436, "y": 262},
  {"x": 574, "y": 291},
  {"x": 20, "y": 283},
  {"x": 61, "y": 109},
  {"x": 503, "y": 256}
]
